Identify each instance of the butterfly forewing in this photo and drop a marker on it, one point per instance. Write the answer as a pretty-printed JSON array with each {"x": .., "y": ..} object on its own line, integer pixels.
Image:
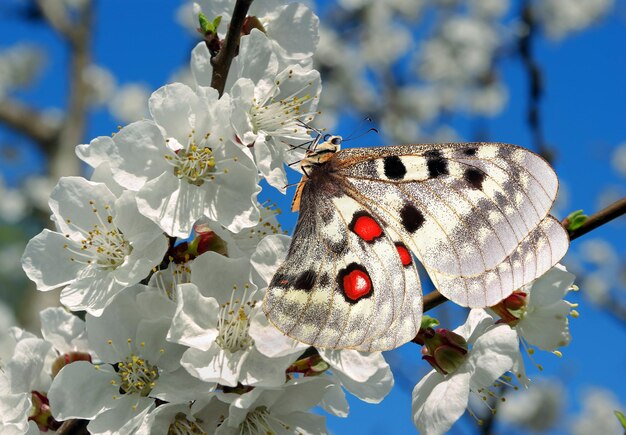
[
  {"x": 471, "y": 211},
  {"x": 475, "y": 215}
]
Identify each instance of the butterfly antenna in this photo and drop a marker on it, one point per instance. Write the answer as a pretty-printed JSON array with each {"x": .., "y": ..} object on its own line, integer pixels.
[
  {"x": 359, "y": 127},
  {"x": 375, "y": 130}
]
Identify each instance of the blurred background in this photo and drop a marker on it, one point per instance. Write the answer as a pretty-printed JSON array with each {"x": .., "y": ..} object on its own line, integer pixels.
[{"x": 549, "y": 75}]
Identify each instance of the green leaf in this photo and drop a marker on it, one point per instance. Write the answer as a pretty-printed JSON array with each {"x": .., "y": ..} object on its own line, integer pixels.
[
  {"x": 216, "y": 23},
  {"x": 622, "y": 419},
  {"x": 205, "y": 24},
  {"x": 576, "y": 220},
  {"x": 428, "y": 322}
]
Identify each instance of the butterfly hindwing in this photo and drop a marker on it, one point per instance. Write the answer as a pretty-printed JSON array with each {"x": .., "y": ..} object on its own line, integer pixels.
[{"x": 343, "y": 283}]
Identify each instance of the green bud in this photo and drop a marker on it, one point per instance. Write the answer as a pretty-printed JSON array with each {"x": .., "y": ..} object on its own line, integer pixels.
[
  {"x": 209, "y": 27},
  {"x": 428, "y": 322},
  {"x": 575, "y": 220}
]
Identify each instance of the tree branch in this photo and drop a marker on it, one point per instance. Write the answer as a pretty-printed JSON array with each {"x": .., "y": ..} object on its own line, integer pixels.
[
  {"x": 615, "y": 210},
  {"x": 27, "y": 121},
  {"x": 57, "y": 16},
  {"x": 221, "y": 62},
  {"x": 62, "y": 160},
  {"x": 535, "y": 81}
]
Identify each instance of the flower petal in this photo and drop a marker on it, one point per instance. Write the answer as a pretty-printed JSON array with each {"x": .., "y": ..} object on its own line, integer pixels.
[{"x": 438, "y": 402}]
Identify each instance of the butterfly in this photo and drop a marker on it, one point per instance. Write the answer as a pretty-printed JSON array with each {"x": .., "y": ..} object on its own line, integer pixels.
[{"x": 475, "y": 215}]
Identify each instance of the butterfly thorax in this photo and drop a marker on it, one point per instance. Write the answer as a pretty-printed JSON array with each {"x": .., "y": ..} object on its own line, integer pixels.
[{"x": 315, "y": 165}]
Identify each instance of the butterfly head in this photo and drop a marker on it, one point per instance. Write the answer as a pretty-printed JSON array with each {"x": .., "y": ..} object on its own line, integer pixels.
[{"x": 321, "y": 151}]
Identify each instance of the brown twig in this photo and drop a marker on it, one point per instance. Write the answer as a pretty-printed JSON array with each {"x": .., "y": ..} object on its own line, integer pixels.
[
  {"x": 78, "y": 36},
  {"x": 221, "y": 62},
  {"x": 535, "y": 81},
  {"x": 615, "y": 210},
  {"x": 27, "y": 121}
]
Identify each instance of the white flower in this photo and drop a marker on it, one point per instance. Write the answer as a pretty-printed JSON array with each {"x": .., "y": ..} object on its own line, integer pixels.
[
  {"x": 129, "y": 334},
  {"x": 246, "y": 241},
  {"x": 619, "y": 159},
  {"x": 440, "y": 400},
  {"x": 171, "y": 418},
  {"x": 461, "y": 52},
  {"x": 489, "y": 9},
  {"x": 218, "y": 316},
  {"x": 18, "y": 66},
  {"x": 538, "y": 312},
  {"x": 544, "y": 323},
  {"x": 185, "y": 164},
  {"x": 129, "y": 102},
  {"x": 292, "y": 28},
  {"x": 101, "y": 84},
  {"x": 256, "y": 61},
  {"x": 280, "y": 410},
  {"x": 597, "y": 416},
  {"x": 24, "y": 379},
  {"x": 365, "y": 375},
  {"x": 269, "y": 119},
  {"x": 102, "y": 246},
  {"x": 561, "y": 17},
  {"x": 537, "y": 408},
  {"x": 14, "y": 206},
  {"x": 65, "y": 331}
]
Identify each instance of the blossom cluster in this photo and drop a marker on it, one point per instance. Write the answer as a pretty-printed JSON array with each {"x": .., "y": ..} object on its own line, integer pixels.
[{"x": 167, "y": 252}]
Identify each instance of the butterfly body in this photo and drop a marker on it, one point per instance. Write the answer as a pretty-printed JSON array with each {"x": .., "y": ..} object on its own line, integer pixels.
[{"x": 474, "y": 214}]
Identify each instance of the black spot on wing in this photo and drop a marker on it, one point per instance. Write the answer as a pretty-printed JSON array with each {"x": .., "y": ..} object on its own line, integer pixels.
[
  {"x": 412, "y": 218},
  {"x": 474, "y": 177},
  {"x": 436, "y": 164},
  {"x": 305, "y": 281},
  {"x": 394, "y": 168},
  {"x": 470, "y": 152}
]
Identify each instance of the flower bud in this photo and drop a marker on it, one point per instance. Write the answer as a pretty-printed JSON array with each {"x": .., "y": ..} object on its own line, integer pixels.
[
  {"x": 252, "y": 22},
  {"x": 444, "y": 350},
  {"x": 68, "y": 358},
  {"x": 40, "y": 413},
  {"x": 206, "y": 240},
  {"x": 511, "y": 308},
  {"x": 310, "y": 366}
]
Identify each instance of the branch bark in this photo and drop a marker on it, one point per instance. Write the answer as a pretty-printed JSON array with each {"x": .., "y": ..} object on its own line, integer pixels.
[
  {"x": 535, "y": 81},
  {"x": 221, "y": 62},
  {"x": 615, "y": 210},
  {"x": 27, "y": 121}
]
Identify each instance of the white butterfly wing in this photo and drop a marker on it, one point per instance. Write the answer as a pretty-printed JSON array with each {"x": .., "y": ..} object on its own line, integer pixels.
[
  {"x": 475, "y": 215},
  {"x": 309, "y": 298}
]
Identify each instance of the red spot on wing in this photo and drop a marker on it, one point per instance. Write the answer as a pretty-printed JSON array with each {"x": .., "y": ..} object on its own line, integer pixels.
[
  {"x": 356, "y": 284},
  {"x": 367, "y": 228},
  {"x": 405, "y": 255}
]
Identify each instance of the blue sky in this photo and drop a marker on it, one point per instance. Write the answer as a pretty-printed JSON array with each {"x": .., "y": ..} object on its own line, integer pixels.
[{"x": 583, "y": 116}]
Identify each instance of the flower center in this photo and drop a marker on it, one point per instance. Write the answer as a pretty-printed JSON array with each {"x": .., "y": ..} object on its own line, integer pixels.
[
  {"x": 137, "y": 375},
  {"x": 166, "y": 280},
  {"x": 281, "y": 117},
  {"x": 234, "y": 322},
  {"x": 182, "y": 426},
  {"x": 195, "y": 162},
  {"x": 104, "y": 245},
  {"x": 258, "y": 421}
]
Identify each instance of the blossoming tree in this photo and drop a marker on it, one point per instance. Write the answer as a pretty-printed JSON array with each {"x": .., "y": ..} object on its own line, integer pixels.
[{"x": 164, "y": 256}]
